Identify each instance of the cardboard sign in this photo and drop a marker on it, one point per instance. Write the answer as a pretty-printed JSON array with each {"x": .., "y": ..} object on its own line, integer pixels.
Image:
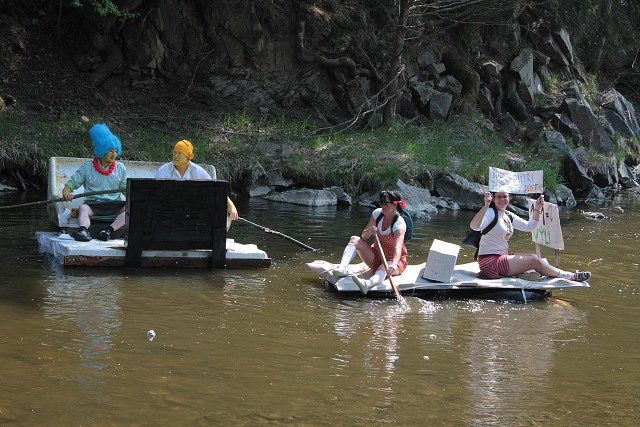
[
  {"x": 515, "y": 182},
  {"x": 548, "y": 233}
]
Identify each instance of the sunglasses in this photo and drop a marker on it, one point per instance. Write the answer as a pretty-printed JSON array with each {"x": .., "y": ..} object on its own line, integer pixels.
[
  {"x": 502, "y": 197},
  {"x": 385, "y": 202}
]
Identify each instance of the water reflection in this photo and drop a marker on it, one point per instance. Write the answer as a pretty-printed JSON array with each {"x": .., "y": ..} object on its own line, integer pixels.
[
  {"x": 84, "y": 315},
  {"x": 509, "y": 356},
  {"x": 274, "y": 347}
]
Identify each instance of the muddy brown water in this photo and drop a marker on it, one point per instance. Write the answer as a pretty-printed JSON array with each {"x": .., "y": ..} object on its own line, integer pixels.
[{"x": 271, "y": 347}]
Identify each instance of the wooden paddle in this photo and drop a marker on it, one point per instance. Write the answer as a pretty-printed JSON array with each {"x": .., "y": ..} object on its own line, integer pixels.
[
  {"x": 386, "y": 267},
  {"x": 268, "y": 230},
  {"x": 61, "y": 199}
]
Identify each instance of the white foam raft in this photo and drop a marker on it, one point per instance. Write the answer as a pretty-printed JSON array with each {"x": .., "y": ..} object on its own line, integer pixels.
[
  {"x": 464, "y": 283},
  {"x": 96, "y": 253}
]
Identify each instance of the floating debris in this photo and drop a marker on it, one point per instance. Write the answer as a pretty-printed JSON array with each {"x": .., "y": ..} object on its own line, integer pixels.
[{"x": 593, "y": 215}]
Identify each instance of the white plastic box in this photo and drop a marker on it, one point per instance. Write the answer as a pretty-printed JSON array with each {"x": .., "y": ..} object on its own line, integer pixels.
[{"x": 441, "y": 261}]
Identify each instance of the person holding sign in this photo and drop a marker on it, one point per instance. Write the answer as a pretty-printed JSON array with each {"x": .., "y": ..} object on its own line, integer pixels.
[{"x": 493, "y": 254}]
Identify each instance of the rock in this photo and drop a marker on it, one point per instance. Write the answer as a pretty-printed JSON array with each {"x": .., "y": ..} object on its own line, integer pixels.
[
  {"x": 593, "y": 134},
  {"x": 450, "y": 85},
  {"x": 626, "y": 176},
  {"x": 341, "y": 195},
  {"x": 440, "y": 105},
  {"x": 535, "y": 128},
  {"x": 574, "y": 172},
  {"x": 564, "y": 196},
  {"x": 306, "y": 197},
  {"x": 469, "y": 195},
  {"x": 417, "y": 199},
  {"x": 422, "y": 92},
  {"x": 620, "y": 113}
]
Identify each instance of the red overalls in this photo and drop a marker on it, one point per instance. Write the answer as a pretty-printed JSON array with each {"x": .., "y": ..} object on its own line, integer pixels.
[{"x": 388, "y": 246}]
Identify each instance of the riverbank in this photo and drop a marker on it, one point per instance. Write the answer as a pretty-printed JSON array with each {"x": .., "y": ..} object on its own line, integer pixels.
[{"x": 239, "y": 146}]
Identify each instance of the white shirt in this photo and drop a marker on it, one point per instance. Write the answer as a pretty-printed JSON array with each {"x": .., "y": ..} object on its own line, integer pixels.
[
  {"x": 496, "y": 241},
  {"x": 168, "y": 171},
  {"x": 399, "y": 225}
]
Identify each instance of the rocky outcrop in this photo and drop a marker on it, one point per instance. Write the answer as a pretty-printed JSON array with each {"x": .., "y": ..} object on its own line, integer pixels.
[
  {"x": 330, "y": 62},
  {"x": 250, "y": 60}
]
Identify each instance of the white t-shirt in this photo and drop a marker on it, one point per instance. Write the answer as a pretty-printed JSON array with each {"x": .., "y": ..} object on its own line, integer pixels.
[
  {"x": 496, "y": 241},
  {"x": 168, "y": 171},
  {"x": 399, "y": 224}
]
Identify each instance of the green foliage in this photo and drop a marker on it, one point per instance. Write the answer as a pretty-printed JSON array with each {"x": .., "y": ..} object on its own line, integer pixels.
[
  {"x": 553, "y": 83},
  {"x": 631, "y": 150},
  {"x": 25, "y": 142},
  {"x": 104, "y": 8},
  {"x": 590, "y": 89},
  {"x": 357, "y": 161},
  {"x": 550, "y": 168}
]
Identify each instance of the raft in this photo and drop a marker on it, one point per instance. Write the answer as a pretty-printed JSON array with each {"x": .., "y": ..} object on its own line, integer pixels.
[
  {"x": 64, "y": 250},
  {"x": 464, "y": 283},
  {"x": 169, "y": 223}
]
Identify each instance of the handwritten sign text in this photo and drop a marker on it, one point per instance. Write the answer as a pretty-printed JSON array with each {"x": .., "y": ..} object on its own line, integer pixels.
[{"x": 515, "y": 182}]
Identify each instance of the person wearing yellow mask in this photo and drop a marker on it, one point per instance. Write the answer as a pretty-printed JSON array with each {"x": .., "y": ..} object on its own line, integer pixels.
[{"x": 183, "y": 168}]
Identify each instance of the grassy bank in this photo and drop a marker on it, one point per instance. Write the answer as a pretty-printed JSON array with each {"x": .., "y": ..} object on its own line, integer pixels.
[{"x": 236, "y": 145}]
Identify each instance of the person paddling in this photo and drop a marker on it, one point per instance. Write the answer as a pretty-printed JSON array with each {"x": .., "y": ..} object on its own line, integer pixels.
[{"x": 391, "y": 231}]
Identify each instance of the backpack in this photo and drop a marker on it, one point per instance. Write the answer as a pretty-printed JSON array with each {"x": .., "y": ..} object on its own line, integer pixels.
[
  {"x": 472, "y": 238},
  {"x": 407, "y": 220}
]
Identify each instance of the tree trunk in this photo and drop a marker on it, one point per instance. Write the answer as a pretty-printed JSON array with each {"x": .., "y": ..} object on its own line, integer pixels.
[
  {"x": 601, "y": 38},
  {"x": 391, "y": 92}
]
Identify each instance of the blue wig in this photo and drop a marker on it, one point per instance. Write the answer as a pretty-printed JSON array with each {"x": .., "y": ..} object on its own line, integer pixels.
[{"x": 103, "y": 140}]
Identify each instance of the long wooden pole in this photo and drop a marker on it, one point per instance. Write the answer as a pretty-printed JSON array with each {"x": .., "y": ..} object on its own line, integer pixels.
[
  {"x": 61, "y": 199},
  {"x": 386, "y": 267},
  {"x": 268, "y": 230}
]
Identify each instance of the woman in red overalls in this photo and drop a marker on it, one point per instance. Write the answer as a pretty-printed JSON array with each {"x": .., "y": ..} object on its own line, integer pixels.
[{"x": 391, "y": 230}]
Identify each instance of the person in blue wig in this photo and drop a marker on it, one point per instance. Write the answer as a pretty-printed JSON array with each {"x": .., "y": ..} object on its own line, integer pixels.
[{"x": 101, "y": 174}]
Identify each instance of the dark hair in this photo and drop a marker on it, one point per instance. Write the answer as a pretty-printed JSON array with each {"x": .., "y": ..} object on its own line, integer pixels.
[{"x": 392, "y": 195}]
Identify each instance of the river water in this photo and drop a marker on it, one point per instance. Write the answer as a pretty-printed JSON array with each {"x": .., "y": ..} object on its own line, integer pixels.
[{"x": 272, "y": 346}]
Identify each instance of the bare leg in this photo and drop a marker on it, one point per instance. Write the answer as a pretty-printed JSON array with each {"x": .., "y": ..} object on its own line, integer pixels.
[
  {"x": 84, "y": 212},
  {"x": 119, "y": 221},
  {"x": 521, "y": 262}
]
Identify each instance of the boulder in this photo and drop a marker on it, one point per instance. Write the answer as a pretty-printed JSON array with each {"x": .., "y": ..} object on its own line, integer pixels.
[
  {"x": 469, "y": 195},
  {"x": 564, "y": 196},
  {"x": 422, "y": 92},
  {"x": 417, "y": 199},
  {"x": 621, "y": 114},
  {"x": 306, "y": 197},
  {"x": 440, "y": 105},
  {"x": 578, "y": 179},
  {"x": 593, "y": 134}
]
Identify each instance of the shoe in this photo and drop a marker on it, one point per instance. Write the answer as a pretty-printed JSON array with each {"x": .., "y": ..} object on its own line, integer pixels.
[
  {"x": 582, "y": 276},
  {"x": 339, "y": 273},
  {"x": 104, "y": 235},
  {"x": 358, "y": 281},
  {"x": 82, "y": 235}
]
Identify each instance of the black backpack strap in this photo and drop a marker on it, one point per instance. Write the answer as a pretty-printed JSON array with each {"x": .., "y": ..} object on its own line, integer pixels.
[
  {"x": 492, "y": 223},
  {"x": 488, "y": 228},
  {"x": 393, "y": 221}
]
